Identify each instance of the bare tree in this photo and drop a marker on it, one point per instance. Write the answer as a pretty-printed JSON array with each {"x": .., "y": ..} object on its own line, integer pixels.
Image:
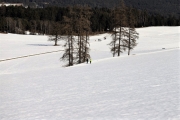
[
  {"x": 55, "y": 33},
  {"x": 69, "y": 50},
  {"x": 19, "y": 27},
  {"x": 131, "y": 35},
  {"x": 122, "y": 24},
  {"x": 70, "y": 43},
  {"x": 46, "y": 27},
  {"x": 87, "y": 30},
  {"x": 119, "y": 20},
  {"x": 33, "y": 26},
  {"x": 9, "y": 24},
  {"x": 113, "y": 42},
  {"x": 82, "y": 20},
  {"x": 41, "y": 27},
  {"x": 76, "y": 23}
]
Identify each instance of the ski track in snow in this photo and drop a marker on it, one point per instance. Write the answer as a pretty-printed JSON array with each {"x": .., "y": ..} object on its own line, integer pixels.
[{"x": 144, "y": 86}]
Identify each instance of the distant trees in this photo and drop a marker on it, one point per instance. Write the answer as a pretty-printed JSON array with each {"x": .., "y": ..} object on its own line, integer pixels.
[
  {"x": 121, "y": 23},
  {"x": 82, "y": 28},
  {"x": 76, "y": 23},
  {"x": 131, "y": 34},
  {"x": 124, "y": 34},
  {"x": 69, "y": 48},
  {"x": 118, "y": 32},
  {"x": 9, "y": 24},
  {"x": 19, "y": 27},
  {"x": 40, "y": 20},
  {"x": 56, "y": 32},
  {"x": 70, "y": 41},
  {"x": 164, "y": 7}
]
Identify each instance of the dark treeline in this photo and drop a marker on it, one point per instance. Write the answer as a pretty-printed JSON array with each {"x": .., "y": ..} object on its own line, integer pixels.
[
  {"x": 20, "y": 19},
  {"x": 164, "y": 7}
]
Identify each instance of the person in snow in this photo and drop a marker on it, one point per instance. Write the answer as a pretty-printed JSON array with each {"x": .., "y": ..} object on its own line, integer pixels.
[
  {"x": 90, "y": 60},
  {"x": 87, "y": 60}
]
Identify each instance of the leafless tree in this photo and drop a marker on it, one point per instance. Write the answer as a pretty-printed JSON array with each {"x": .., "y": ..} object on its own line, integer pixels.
[
  {"x": 131, "y": 35},
  {"x": 33, "y": 26},
  {"x": 82, "y": 26},
  {"x": 47, "y": 27},
  {"x": 70, "y": 42},
  {"x": 119, "y": 23},
  {"x": 19, "y": 26},
  {"x": 9, "y": 24},
  {"x": 76, "y": 23},
  {"x": 55, "y": 33}
]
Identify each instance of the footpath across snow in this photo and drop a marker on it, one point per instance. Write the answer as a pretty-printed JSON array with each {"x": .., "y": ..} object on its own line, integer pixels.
[{"x": 143, "y": 86}]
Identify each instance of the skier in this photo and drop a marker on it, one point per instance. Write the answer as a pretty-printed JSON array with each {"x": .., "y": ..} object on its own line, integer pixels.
[{"x": 87, "y": 60}]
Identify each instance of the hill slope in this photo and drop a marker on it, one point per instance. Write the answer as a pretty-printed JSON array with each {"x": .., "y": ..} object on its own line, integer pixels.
[
  {"x": 137, "y": 87},
  {"x": 142, "y": 86}
]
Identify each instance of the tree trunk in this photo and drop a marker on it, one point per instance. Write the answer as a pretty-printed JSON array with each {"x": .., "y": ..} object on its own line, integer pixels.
[
  {"x": 119, "y": 47},
  {"x": 115, "y": 43},
  {"x": 85, "y": 53},
  {"x": 129, "y": 44},
  {"x": 56, "y": 40},
  {"x": 69, "y": 52},
  {"x": 80, "y": 40}
]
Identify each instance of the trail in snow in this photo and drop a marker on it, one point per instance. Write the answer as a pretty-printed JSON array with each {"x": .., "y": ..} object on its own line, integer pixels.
[{"x": 30, "y": 55}]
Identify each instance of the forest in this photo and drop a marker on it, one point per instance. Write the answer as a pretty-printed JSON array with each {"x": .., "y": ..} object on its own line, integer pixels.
[
  {"x": 163, "y": 7},
  {"x": 40, "y": 20}
]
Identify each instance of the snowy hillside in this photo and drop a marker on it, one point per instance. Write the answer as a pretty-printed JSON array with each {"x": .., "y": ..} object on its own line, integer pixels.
[{"x": 143, "y": 86}]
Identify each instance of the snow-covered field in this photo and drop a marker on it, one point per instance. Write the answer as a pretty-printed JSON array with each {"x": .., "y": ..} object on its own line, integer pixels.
[{"x": 143, "y": 86}]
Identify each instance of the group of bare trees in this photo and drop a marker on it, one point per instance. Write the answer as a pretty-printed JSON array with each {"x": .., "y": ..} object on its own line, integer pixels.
[
  {"x": 74, "y": 29},
  {"x": 124, "y": 34},
  {"x": 11, "y": 25}
]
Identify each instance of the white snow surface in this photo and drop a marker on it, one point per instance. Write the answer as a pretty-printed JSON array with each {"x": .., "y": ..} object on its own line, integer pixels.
[{"x": 142, "y": 86}]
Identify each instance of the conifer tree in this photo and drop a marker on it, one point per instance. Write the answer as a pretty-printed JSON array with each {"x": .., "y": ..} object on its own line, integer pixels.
[{"x": 131, "y": 33}]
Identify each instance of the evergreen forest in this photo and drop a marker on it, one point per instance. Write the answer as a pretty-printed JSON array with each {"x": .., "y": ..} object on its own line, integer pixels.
[{"x": 15, "y": 19}]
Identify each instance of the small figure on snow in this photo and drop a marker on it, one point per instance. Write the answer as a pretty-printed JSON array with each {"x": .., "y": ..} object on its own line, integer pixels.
[
  {"x": 87, "y": 60},
  {"x": 90, "y": 60}
]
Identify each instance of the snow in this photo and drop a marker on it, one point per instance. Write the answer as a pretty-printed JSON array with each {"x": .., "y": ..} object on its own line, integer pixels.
[
  {"x": 13, "y": 45},
  {"x": 142, "y": 86}
]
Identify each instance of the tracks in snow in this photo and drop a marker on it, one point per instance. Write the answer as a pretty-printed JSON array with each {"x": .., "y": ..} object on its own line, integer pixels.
[
  {"x": 63, "y": 50},
  {"x": 29, "y": 55}
]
